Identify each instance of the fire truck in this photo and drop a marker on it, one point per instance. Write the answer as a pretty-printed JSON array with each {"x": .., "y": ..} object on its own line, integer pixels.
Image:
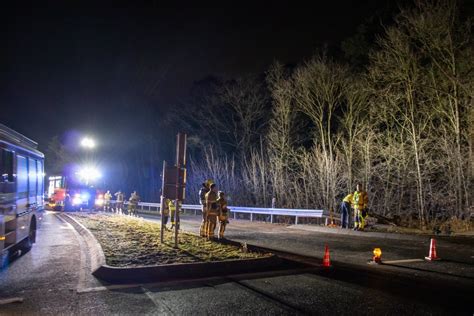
[{"x": 21, "y": 191}]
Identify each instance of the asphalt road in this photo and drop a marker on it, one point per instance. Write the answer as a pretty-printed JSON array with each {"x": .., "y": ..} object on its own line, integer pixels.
[{"x": 54, "y": 279}]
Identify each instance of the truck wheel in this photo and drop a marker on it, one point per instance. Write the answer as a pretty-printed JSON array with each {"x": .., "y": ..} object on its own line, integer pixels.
[{"x": 27, "y": 243}]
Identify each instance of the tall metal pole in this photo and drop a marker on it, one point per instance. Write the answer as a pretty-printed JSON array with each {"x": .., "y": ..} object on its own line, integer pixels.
[
  {"x": 180, "y": 162},
  {"x": 162, "y": 204}
]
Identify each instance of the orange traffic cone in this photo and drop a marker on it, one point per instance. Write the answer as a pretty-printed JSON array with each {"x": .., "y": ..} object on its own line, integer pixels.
[
  {"x": 326, "y": 259},
  {"x": 432, "y": 256}
]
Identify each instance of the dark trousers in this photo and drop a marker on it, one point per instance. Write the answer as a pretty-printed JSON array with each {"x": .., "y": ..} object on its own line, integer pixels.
[{"x": 345, "y": 215}]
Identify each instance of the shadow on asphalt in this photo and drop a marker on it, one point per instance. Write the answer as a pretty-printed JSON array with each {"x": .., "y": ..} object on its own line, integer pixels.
[{"x": 431, "y": 271}]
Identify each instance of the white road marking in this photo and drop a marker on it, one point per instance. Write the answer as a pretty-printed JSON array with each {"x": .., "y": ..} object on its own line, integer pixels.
[
  {"x": 106, "y": 288},
  {"x": 11, "y": 300},
  {"x": 403, "y": 261},
  {"x": 160, "y": 304}
]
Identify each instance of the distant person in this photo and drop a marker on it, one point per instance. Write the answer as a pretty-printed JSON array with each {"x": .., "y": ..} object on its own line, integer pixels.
[
  {"x": 361, "y": 202},
  {"x": 223, "y": 214},
  {"x": 67, "y": 203},
  {"x": 119, "y": 202},
  {"x": 202, "y": 200},
  {"x": 346, "y": 211},
  {"x": 212, "y": 211},
  {"x": 133, "y": 203},
  {"x": 107, "y": 198},
  {"x": 165, "y": 211},
  {"x": 172, "y": 208}
]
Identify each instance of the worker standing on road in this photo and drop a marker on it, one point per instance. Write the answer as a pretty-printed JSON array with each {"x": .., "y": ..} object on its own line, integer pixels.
[
  {"x": 202, "y": 199},
  {"x": 119, "y": 202},
  {"x": 361, "y": 201},
  {"x": 107, "y": 198},
  {"x": 172, "y": 210},
  {"x": 223, "y": 214},
  {"x": 165, "y": 211},
  {"x": 133, "y": 203},
  {"x": 346, "y": 211},
  {"x": 212, "y": 210}
]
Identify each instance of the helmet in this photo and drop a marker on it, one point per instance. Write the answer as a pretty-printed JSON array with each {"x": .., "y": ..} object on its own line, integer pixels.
[{"x": 209, "y": 182}]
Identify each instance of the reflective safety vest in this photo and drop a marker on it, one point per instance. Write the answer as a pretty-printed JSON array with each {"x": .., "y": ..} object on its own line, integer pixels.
[
  {"x": 119, "y": 196},
  {"x": 349, "y": 199},
  {"x": 211, "y": 203},
  {"x": 223, "y": 210},
  {"x": 171, "y": 206},
  {"x": 361, "y": 200},
  {"x": 107, "y": 196},
  {"x": 166, "y": 210},
  {"x": 202, "y": 195}
]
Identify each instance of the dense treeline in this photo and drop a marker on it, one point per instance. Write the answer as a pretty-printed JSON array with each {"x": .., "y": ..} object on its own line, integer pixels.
[{"x": 403, "y": 126}]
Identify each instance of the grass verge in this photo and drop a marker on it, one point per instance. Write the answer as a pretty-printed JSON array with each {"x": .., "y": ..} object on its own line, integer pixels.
[{"x": 129, "y": 242}]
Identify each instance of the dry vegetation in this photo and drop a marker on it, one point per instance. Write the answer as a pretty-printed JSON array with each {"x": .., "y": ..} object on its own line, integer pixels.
[
  {"x": 403, "y": 126},
  {"x": 130, "y": 241}
]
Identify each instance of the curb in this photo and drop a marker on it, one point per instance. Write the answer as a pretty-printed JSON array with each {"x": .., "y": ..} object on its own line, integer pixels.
[
  {"x": 97, "y": 257},
  {"x": 173, "y": 272}
]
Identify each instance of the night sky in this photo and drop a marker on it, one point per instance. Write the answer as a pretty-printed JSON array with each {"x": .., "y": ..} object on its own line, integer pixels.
[
  {"x": 113, "y": 70},
  {"x": 94, "y": 68}
]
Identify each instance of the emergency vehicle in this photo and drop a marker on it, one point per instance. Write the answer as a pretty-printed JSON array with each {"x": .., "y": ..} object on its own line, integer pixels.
[{"x": 21, "y": 191}]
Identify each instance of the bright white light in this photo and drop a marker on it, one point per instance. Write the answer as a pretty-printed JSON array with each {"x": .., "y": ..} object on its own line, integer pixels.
[
  {"x": 89, "y": 174},
  {"x": 77, "y": 200},
  {"x": 88, "y": 143}
]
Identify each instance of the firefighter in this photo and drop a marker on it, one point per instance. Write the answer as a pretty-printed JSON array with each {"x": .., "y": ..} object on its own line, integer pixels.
[
  {"x": 361, "y": 201},
  {"x": 165, "y": 211},
  {"x": 223, "y": 214},
  {"x": 172, "y": 210},
  {"x": 202, "y": 199},
  {"x": 107, "y": 198},
  {"x": 119, "y": 202},
  {"x": 346, "y": 211},
  {"x": 212, "y": 211},
  {"x": 133, "y": 203}
]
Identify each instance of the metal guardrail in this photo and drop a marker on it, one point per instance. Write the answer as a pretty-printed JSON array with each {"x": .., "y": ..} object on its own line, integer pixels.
[{"x": 297, "y": 213}]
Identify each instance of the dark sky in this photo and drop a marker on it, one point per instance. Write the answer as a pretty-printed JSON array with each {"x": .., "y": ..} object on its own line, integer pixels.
[{"x": 104, "y": 69}]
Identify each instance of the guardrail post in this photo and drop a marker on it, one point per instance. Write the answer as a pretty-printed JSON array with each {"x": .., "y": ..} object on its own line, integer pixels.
[
  {"x": 296, "y": 220},
  {"x": 271, "y": 218},
  {"x": 251, "y": 217},
  {"x": 326, "y": 221},
  {"x": 195, "y": 212},
  {"x": 234, "y": 214}
]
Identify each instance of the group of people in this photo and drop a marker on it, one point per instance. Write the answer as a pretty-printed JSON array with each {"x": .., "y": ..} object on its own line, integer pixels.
[
  {"x": 214, "y": 210},
  {"x": 359, "y": 201},
  {"x": 119, "y": 201}
]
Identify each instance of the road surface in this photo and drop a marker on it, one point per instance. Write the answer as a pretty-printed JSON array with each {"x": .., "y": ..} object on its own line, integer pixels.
[{"x": 54, "y": 279}]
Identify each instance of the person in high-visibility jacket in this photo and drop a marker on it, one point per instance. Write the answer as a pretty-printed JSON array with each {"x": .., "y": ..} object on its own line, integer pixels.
[
  {"x": 361, "y": 202},
  {"x": 165, "y": 211},
  {"x": 202, "y": 200},
  {"x": 212, "y": 211},
  {"x": 223, "y": 214},
  {"x": 119, "y": 202},
  {"x": 172, "y": 208},
  {"x": 133, "y": 203},
  {"x": 346, "y": 205},
  {"x": 107, "y": 198}
]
